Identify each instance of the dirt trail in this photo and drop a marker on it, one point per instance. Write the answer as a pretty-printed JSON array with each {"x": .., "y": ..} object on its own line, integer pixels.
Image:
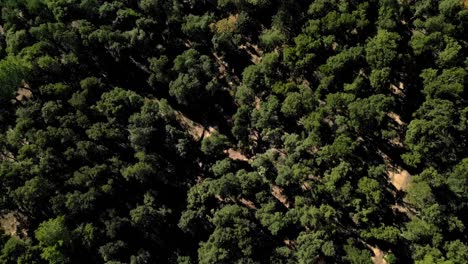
[
  {"x": 195, "y": 129},
  {"x": 395, "y": 117},
  {"x": 236, "y": 155},
  {"x": 379, "y": 256},
  {"x": 249, "y": 204},
  {"x": 400, "y": 178},
  {"x": 278, "y": 193}
]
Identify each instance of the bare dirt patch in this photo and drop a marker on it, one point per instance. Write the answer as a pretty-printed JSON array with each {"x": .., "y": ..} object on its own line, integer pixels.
[
  {"x": 306, "y": 186},
  {"x": 398, "y": 90},
  {"x": 278, "y": 193},
  {"x": 23, "y": 94},
  {"x": 249, "y": 204},
  {"x": 400, "y": 178},
  {"x": 379, "y": 256},
  {"x": 236, "y": 155},
  {"x": 257, "y": 103},
  {"x": 12, "y": 224},
  {"x": 395, "y": 117}
]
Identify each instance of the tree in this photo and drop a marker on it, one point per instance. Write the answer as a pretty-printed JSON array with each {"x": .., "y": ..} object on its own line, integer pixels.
[
  {"x": 431, "y": 136},
  {"x": 12, "y": 72},
  {"x": 54, "y": 239},
  {"x": 214, "y": 145},
  {"x": 235, "y": 238},
  {"x": 196, "y": 77}
]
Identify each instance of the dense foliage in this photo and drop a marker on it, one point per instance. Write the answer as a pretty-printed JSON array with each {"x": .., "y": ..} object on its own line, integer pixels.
[{"x": 234, "y": 131}]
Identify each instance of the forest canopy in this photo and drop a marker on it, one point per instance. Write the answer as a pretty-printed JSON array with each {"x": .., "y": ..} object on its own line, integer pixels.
[{"x": 234, "y": 131}]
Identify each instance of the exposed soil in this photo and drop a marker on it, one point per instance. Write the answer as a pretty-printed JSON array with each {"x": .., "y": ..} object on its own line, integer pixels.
[
  {"x": 379, "y": 256},
  {"x": 249, "y": 204},
  {"x": 23, "y": 94},
  {"x": 278, "y": 193},
  {"x": 257, "y": 103},
  {"x": 398, "y": 90},
  {"x": 395, "y": 117},
  {"x": 12, "y": 224},
  {"x": 236, "y": 155},
  {"x": 400, "y": 178}
]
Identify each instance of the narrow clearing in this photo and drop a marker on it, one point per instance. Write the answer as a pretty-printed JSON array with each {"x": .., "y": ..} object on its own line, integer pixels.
[
  {"x": 400, "y": 178},
  {"x": 379, "y": 256}
]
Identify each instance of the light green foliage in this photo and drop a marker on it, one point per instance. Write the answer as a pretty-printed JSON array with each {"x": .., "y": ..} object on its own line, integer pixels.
[
  {"x": 54, "y": 238},
  {"x": 272, "y": 38},
  {"x": 381, "y": 51},
  {"x": 388, "y": 234},
  {"x": 447, "y": 85},
  {"x": 355, "y": 255},
  {"x": 196, "y": 25}
]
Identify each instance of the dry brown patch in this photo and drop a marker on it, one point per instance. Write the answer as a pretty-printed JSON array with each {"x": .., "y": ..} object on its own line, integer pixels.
[
  {"x": 247, "y": 203},
  {"x": 278, "y": 193},
  {"x": 395, "y": 117},
  {"x": 289, "y": 243},
  {"x": 257, "y": 102},
  {"x": 379, "y": 256},
  {"x": 7, "y": 156},
  {"x": 208, "y": 132},
  {"x": 12, "y": 225},
  {"x": 396, "y": 142},
  {"x": 397, "y": 90},
  {"x": 236, "y": 155},
  {"x": 306, "y": 186},
  {"x": 334, "y": 46},
  {"x": 23, "y": 94},
  {"x": 400, "y": 178}
]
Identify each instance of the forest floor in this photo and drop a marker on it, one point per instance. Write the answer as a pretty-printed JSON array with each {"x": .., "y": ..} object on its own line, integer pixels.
[
  {"x": 23, "y": 94},
  {"x": 400, "y": 178},
  {"x": 11, "y": 224},
  {"x": 236, "y": 155},
  {"x": 379, "y": 256}
]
